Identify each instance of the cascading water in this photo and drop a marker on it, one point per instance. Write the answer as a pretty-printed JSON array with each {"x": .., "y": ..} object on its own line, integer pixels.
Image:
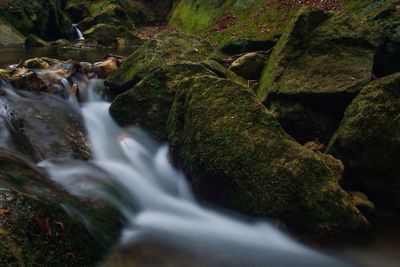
[
  {"x": 78, "y": 33},
  {"x": 157, "y": 202}
]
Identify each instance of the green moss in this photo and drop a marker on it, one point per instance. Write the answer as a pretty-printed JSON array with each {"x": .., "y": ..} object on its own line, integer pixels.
[
  {"x": 164, "y": 48},
  {"x": 254, "y": 20}
]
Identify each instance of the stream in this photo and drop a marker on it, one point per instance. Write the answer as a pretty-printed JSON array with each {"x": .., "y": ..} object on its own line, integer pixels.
[{"x": 133, "y": 174}]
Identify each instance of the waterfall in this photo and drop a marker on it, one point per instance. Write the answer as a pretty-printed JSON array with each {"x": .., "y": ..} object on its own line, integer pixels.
[
  {"x": 157, "y": 202},
  {"x": 77, "y": 32}
]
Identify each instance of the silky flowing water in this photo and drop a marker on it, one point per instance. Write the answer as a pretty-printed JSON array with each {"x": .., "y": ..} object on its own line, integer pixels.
[{"x": 133, "y": 174}]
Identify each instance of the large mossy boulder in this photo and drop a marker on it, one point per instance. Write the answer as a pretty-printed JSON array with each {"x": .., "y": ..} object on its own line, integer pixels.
[
  {"x": 230, "y": 146},
  {"x": 322, "y": 55},
  {"x": 321, "y": 62},
  {"x": 35, "y": 230},
  {"x": 147, "y": 103},
  {"x": 164, "y": 48},
  {"x": 368, "y": 141}
]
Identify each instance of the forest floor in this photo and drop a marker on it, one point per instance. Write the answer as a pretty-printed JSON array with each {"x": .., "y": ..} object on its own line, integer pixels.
[{"x": 322, "y": 4}]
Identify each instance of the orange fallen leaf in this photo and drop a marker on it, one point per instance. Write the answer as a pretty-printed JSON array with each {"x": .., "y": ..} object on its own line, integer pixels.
[{"x": 4, "y": 211}]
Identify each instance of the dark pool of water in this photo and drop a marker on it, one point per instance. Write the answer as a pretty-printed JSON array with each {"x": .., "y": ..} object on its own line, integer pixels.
[{"x": 12, "y": 55}]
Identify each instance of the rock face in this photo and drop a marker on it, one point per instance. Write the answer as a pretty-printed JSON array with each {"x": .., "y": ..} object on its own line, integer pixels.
[
  {"x": 9, "y": 35},
  {"x": 368, "y": 141},
  {"x": 34, "y": 41},
  {"x": 166, "y": 47},
  {"x": 35, "y": 229},
  {"x": 44, "y": 18},
  {"x": 231, "y": 147},
  {"x": 30, "y": 117}
]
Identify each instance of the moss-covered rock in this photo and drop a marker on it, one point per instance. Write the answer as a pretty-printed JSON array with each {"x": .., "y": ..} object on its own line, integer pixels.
[
  {"x": 104, "y": 34},
  {"x": 35, "y": 41},
  {"x": 148, "y": 103},
  {"x": 368, "y": 141},
  {"x": 164, "y": 48},
  {"x": 317, "y": 55},
  {"x": 237, "y": 154},
  {"x": 34, "y": 228},
  {"x": 321, "y": 62}
]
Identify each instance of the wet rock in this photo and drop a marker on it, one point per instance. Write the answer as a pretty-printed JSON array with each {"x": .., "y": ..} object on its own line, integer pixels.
[
  {"x": 87, "y": 67},
  {"x": 34, "y": 227},
  {"x": 34, "y": 41},
  {"x": 26, "y": 79},
  {"x": 250, "y": 66},
  {"x": 367, "y": 141},
  {"x": 106, "y": 68},
  {"x": 165, "y": 48},
  {"x": 30, "y": 117},
  {"x": 35, "y": 63}
]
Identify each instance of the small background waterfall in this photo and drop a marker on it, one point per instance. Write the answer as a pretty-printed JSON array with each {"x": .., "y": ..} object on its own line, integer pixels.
[
  {"x": 132, "y": 173},
  {"x": 77, "y": 32}
]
